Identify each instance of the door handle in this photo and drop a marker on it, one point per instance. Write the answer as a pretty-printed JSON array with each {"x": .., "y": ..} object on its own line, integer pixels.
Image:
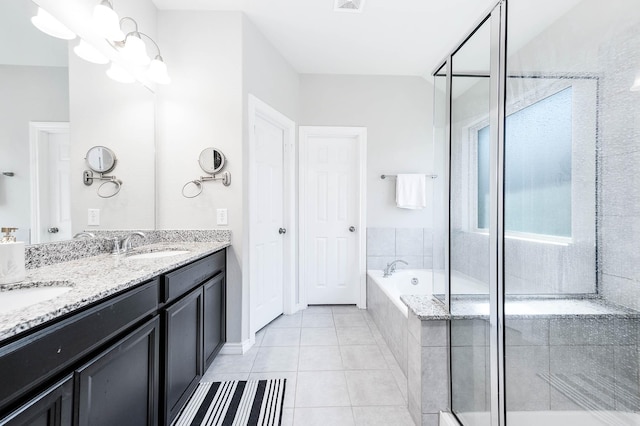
[
  {"x": 52, "y": 230},
  {"x": 282, "y": 231},
  {"x": 352, "y": 229}
]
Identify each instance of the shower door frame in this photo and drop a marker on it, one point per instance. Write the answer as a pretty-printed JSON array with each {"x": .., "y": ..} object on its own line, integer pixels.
[{"x": 497, "y": 15}]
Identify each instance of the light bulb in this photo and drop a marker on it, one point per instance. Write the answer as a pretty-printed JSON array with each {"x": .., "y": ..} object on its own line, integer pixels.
[
  {"x": 107, "y": 22},
  {"x": 46, "y": 23},
  {"x": 134, "y": 50},
  {"x": 89, "y": 53},
  {"x": 157, "y": 71},
  {"x": 119, "y": 74}
]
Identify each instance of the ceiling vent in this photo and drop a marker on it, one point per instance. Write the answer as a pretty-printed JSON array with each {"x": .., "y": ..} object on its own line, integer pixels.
[{"x": 353, "y": 6}]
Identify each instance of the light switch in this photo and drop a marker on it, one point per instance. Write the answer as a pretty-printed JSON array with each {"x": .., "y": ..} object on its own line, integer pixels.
[
  {"x": 93, "y": 217},
  {"x": 221, "y": 217}
]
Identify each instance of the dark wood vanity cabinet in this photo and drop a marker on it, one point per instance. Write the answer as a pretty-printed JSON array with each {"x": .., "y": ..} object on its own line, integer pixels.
[
  {"x": 133, "y": 359},
  {"x": 194, "y": 327},
  {"x": 120, "y": 385},
  {"x": 183, "y": 349},
  {"x": 49, "y": 408},
  {"x": 214, "y": 323}
]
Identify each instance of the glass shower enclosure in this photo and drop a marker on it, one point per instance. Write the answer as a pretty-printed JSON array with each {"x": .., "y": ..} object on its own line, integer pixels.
[{"x": 537, "y": 136}]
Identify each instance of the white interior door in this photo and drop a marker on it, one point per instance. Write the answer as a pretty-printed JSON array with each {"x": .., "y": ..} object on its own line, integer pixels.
[
  {"x": 332, "y": 218},
  {"x": 268, "y": 231},
  {"x": 50, "y": 182},
  {"x": 58, "y": 189}
]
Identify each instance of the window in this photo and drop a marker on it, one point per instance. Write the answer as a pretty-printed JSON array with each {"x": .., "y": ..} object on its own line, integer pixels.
[{"x": 538, "y": 144}]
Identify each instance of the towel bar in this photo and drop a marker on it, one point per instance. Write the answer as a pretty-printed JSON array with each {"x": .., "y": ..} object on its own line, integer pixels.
[{"x": 395, "y": 176}]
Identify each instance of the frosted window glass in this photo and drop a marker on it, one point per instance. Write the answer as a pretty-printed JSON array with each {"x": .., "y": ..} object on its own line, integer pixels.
[{"x": 538, "y": 168}]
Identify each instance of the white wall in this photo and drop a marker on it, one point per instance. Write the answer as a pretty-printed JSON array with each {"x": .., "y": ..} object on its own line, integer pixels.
[
  {"x": 28, "y": 94},
  {"x": 398, "y": 115},
  {"x": 216, "y": 60},
  {"x": 120, "y": 117},
  {"x": 266, "y": 74},
  {"x": 202, "y": 107},
  {"x": 35, "y": 47},
  {"x": 269, "y": 77}
]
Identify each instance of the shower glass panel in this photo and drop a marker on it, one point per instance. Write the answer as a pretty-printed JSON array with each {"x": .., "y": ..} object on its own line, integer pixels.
[
  {"x": 572, "y": 213},
  {"x": 469, "y": 238},
  {"x": 440, "y": 161}
]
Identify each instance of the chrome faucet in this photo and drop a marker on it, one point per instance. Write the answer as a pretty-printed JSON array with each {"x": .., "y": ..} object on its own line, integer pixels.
[
  {"x": 391, "y": 267},
  {"x": 126, "y": 241},
  {"x": 123, "y": 245},
  {"x": 85, "y": 234}
]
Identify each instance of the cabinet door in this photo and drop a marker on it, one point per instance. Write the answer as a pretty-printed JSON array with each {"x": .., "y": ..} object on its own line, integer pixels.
[
  {"x": 214, "y": 326},
  {"x": 50, "y": 408},
  {"x": 120, "y": 386},
  {"x": 183, "y": 349}
]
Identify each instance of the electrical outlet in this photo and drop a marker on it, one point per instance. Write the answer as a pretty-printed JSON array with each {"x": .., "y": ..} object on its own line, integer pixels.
[
  {"x": 93, "y": 217},
  {"x": 221, "y": 217}
]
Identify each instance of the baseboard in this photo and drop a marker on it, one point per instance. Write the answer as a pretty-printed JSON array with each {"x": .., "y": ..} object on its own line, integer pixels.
[
  {"x": 237, "y": 348},
  {"x": 447, "y": 419}
]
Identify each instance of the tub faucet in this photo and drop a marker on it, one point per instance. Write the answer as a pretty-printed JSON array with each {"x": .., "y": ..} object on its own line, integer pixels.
[{"x": 391, "y": 267}]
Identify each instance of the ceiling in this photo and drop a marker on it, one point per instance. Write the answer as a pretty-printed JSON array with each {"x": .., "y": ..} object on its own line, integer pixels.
[{"x": 390, "y": 37}]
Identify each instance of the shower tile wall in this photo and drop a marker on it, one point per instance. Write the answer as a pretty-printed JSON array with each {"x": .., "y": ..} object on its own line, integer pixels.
[
  {"x": 595, "y": 357},
  {"x": 619, "y": 179},
  {"x": 413, "y": 245}
]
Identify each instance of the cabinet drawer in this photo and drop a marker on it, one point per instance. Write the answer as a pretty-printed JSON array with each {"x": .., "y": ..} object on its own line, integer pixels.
[
  {"x": 180, "y": 281},
  {"x": 29, "y": 362}
]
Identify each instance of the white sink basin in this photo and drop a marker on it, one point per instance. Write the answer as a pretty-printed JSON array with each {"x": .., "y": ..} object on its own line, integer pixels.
[
  {"x": 11, "y": 300},
  {"x": 157, "y": 254}
]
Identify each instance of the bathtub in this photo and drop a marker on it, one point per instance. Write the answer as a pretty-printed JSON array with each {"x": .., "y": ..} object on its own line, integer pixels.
[
  {"x": 401, "y": 283},
  {"x": 388, "y": 311}
]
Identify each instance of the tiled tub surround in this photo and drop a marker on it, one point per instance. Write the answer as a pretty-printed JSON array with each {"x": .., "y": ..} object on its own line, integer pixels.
[
  {"x": 94, "y": 278},
  {"x": 577, "y": 345},
  {"x": 391, "y": 321},
  {"x": 428, "y": 363},
  {"x": 413, "y": 245},
  {"x": 388, "y": 311},
  {"x": 39, "y": 255}
]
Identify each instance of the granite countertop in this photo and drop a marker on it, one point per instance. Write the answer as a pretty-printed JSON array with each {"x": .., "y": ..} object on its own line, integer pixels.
[
  {"x": 427, "y": 307},
  {"x": 94, "y": 278}
]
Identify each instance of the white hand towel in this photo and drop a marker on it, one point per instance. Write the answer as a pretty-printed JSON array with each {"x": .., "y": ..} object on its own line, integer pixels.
[{"x": 411, "y": 191}]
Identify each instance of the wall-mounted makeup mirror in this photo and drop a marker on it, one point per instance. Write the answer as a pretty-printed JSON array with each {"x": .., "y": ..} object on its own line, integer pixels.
[
  {"x": 211, "y": 160},
  {"x": 101, "y": 159}
]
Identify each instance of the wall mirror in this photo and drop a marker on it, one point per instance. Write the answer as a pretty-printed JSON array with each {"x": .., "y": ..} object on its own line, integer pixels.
[
  {"x": 101, "y": 159},
  {"x": 55, "y": 107},
  {"x": 211, "y": 160}
]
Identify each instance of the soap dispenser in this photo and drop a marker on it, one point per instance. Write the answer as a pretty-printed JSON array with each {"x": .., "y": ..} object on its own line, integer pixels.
[{"x": 11, "y": 258}]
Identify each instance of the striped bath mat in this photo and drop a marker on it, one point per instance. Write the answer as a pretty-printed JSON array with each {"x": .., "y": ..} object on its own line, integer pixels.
[{"x": 235, "y": 403}]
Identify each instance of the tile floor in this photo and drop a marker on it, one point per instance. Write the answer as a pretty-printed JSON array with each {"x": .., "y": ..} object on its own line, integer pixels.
[{"x": 338, "y": 368}]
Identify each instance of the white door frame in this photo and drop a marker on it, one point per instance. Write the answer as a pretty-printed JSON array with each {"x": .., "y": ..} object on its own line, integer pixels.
[
  {"x": 360, "y": 133},
  {"x": 37, "y": 132},
  {"x": 258, "y": 108}
]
